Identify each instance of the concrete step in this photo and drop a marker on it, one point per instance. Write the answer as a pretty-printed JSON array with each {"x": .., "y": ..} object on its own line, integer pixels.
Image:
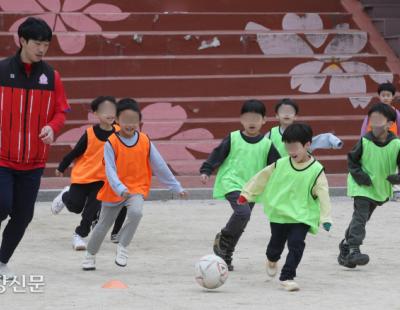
[
  {"x": 375, "y": 2},
  {"x": 233, "y": 5},
  {"x": 219, "y": 107},
  {"x": 161, "y": 21},
  {"x": 383, "y": 10},
  {"x": 202, "y": 42},
  {"x": 53, "y": 183},
  {"x": 394, "y": 42},
  {"x": 387, "y": 26},
  {"x": 219, "y": 127},
  {"x": 206, "y": 85},
  {"x": 197, "y": 65}
]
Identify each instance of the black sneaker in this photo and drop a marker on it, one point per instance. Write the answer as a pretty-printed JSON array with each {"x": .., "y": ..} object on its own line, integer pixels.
[
  {"x": 218, "y": 250},
  {"x": 355, "y": 257},
  {"x": 344, "y": 250}
]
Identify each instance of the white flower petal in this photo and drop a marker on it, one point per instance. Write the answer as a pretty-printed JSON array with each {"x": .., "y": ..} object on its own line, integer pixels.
[
  {"x": 282, "y": 43},
  {"x": 307, "y": 83},
  {"x": 347, "y": 43},
  {"x": 309, "y": 21},
  {"x": 360, "y": 101},
  {"x": 316, "y": 39},
  {"x": 251, "y": 26},
  {"x": 307, "y": 67},
  {"x": 343, "y": 84},
  {"x": 357, "y": 67},
  {"x": 382, "y": 78}
]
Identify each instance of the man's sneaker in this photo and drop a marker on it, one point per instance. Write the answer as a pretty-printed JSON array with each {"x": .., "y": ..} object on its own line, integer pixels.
[
  {"x": 5, "y": 273},
  {"x": 78, "y": 244},
  {"x": 121, "y": 259},
  {"x": 114, "y": 238},
  {"x": 344, "y": 250},
  {"x": 89, "y": 263},
  {"x": 272, "y": 268},
  {"x": 355, "y": 257},
  {"x": 290, "y": 285},
  {"x": 57, "y": 204}
]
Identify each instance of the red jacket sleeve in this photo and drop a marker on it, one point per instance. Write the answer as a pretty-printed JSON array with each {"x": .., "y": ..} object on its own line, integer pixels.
[{"x": 61, "y": 105}]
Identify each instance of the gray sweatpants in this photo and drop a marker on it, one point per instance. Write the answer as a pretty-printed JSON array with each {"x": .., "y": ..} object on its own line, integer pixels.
[
  {"x": 363, "y": 210},
  {"x": 108, "y": 214}
]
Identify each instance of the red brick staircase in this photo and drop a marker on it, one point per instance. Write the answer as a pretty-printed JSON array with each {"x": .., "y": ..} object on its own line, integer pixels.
[{"x": 191, "y": 64}]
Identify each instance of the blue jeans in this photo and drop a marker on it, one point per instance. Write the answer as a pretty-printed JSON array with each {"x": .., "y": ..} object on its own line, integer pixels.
[{"x": 18, "y": 192}]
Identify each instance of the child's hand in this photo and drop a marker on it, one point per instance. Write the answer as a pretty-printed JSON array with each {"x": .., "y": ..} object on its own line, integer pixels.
[
  {"x": 393, "y": 179},
  {"x": 59, "y": 173},
  {"x": 184, "y": 195},
  {"x": 204, "y": 178},
  {"x": 126, "y": 195},
  {"x": 241, "y": 200},
  {"x": 327, "y": 226}
]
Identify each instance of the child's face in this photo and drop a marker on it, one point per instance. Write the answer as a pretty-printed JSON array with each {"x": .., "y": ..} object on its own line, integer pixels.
[
  {"x": 297, "y": 151},
  {"x": 286, "y": 115},
  {"x": 252, "y": 123},
  {"x": 379, "y": 124},
  {"x": 129, "y": 121},
  {"x": 386, "y": 96},
  {"x": 106, "y": 112}
]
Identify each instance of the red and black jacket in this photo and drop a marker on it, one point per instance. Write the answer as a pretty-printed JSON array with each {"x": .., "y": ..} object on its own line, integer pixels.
[{"x": 27, "y": 104}]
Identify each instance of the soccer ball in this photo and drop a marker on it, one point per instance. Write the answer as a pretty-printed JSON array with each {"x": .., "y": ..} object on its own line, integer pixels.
[{"x": 211, "y": 271}]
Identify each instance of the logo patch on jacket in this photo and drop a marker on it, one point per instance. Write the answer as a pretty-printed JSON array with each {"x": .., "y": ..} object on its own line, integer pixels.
[{"x": 43, "y": 79}]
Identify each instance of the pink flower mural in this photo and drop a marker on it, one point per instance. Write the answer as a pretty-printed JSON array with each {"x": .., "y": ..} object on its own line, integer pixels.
[
  {"x": 163, "y": 122},
  {"x": 70, "y": 19},
  {"x": 335, "y": 65}
]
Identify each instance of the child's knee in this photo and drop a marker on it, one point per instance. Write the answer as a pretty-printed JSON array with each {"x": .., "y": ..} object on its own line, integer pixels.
[{"x": 134, "y": 213}]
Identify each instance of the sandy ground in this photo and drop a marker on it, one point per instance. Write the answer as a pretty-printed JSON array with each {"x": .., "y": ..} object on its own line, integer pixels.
[{"x": 174, "y": 234}]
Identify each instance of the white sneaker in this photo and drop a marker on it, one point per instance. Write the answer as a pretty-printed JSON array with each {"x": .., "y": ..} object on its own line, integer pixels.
[
  {"x": 290, "y": 285},
  {"x": 89, "y": 263},
  {"x": 6, "y": 273},
  {"x": 121, "y": 259},
  {"x": 78, "y": 244},
  {"x": 272, "y": 268},
  {"x": 58, "y": 204}
]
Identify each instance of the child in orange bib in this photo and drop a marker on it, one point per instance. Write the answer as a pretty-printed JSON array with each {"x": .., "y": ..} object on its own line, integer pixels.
[
  {"x": 88, "y": 173},
  {"x": 129, "y": 158}
]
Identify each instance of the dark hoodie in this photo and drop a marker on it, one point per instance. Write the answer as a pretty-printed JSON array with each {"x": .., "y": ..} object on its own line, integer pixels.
[{"x": 354, "y": 159}]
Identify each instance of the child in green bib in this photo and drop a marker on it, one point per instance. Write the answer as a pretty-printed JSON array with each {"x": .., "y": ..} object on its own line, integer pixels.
[
  {"x": 286, "y": 111},
  {"x": 372, "y": 165},
  {"x": 238, "y": 157},
  {"x": 295, "y": 194}
]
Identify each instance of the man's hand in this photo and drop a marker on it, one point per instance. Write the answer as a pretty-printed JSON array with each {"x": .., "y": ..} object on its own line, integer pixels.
[
  {"x": 47, "y": 135},
  {"x": 59, "y": 173}
]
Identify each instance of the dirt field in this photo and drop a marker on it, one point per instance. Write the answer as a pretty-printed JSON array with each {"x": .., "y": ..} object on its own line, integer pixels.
[{"x": 174, "y": 234}]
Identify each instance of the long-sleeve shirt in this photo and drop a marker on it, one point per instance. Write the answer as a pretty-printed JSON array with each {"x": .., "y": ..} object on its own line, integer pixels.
[
  {"x": 221, "y": 152},
  {"x": 257, "y": 184},
  {"x": 158, "y": 166},
  {"x": 81, "y": 146},
  {"x": 321, "y": 141},
  {"x": 354, "y": 158}
]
